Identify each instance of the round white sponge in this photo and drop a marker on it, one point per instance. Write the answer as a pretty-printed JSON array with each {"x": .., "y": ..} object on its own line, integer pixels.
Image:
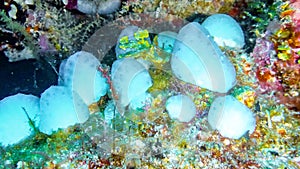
[
  {"x": 61, "y": 108},
  {"x": 79, "y": 73},
  {"x": 15, "y": 124},
  {"x": 225, "y": 30},
  {"x": 181, "y": 108},
  {"x": 230, "y": 117}
]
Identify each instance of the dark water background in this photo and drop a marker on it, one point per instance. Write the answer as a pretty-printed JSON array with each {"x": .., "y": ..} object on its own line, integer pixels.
[{"x": 26, "y": 76}]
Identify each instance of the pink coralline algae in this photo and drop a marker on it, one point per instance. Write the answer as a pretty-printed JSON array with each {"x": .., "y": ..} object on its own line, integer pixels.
[
  {"x": 72, "y": 4},
  {"x": 277, "y": 58},
  {"x": 262, "y": 54},
  {"x": 295, "y": 5},
  {"x": 44, "y": 43}
]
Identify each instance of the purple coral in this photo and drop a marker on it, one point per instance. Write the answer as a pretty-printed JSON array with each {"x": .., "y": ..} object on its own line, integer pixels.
[
  {"x": 263, "y": 51},
  {"x": 72, "y": 4}
]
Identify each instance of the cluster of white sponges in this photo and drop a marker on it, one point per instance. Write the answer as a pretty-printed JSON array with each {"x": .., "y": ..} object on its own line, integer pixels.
[
  {"x": 197, "y": 59},
  {"x": 80, "y": 84}
]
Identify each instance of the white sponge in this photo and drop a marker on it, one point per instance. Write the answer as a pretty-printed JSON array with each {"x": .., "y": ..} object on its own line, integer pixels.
[
  {"x": 96, "y": 6},
  {"x": 230, "y": 117},
  {"x": 225, "y": 30},
  {"x": 79, "y": 73},
  {"x": 15, "y": 124},
  {"x": 166, "y": 40},
  {"x": 197, "y": 59},
  {"x": 181, "y": 108},
  {"x": 130, "y": 80},
  {"x": 61, "y": 108}
]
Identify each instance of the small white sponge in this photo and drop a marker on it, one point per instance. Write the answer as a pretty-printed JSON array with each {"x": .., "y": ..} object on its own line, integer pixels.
[
  {"x": 230, "y": 117},
  {"x": 225, "y": 30},
  {"x": 61, "y": 108},
  {"x": 181, "y": 108},
  {"x": 15, "y": 124},
  {"x": 79, "y": 73},
  {"x": 130, "y": 80}
]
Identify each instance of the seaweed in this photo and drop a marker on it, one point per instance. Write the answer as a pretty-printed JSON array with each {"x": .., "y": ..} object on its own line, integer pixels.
[{"x": 15, "y": 26}]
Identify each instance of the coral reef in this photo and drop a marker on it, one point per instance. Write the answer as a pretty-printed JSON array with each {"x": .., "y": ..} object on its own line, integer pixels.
[
  {"x": 277, "y": 58},
  {"x": 267, "y": 83}
]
